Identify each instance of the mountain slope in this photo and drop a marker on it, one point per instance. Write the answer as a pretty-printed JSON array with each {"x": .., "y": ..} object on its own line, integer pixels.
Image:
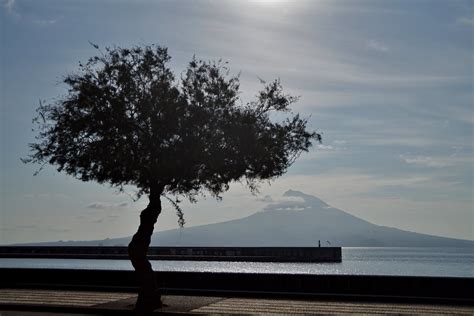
[
  {"x": 301, "y": 224},
  {"x": 301, "y": 221}
]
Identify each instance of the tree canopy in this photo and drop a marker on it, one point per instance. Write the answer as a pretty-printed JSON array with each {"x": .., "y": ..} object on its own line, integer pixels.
[{"x": 127, "y": 120}]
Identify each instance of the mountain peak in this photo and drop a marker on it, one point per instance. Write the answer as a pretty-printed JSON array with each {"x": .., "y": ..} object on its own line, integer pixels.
[
  {"x": 309, "y": 199},
  {"x": 313, "y": 220}
]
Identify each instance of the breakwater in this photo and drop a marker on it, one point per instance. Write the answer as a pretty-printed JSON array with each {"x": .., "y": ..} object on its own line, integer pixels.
[{"x": 259, "y": 254}]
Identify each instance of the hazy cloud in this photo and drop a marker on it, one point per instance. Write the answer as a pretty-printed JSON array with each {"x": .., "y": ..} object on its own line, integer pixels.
[
  {"x": 106, "y": 206},
  {"x": 98, "y": 206},
  {"x": 267, "y": 198},
  {"x": 280, "y": 203},
  {"x": 466, "y": 20},
  {"x": 45, "y": 22},
  {"x": 426, "y": 161},
  {"x": 51, "y": 229},
  {"x": 107, "y": 219},
  {"x": 6, "y": 229},
  {"x": 286, "y": 206},
  {"x": 58, "y": 230},
  {"x": 325, "y": 147},
  {"x": 46, "y": 196},
  {"x": 26, "y": 226},
  {"x": 9, "y": 5},
  {"x": 377, "y": 46},
  {"x": 285, "y": 203},
  {"x": 332, "y": 186}
]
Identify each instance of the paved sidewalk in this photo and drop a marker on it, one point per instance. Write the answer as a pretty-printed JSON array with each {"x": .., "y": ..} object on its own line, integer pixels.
[{"x": 22, "y": 302}]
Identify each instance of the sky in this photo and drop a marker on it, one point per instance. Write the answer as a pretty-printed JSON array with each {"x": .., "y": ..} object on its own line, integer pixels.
[{"x": 389, "y": 84}]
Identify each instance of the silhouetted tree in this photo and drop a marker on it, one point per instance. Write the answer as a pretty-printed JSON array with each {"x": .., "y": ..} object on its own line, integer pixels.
[{"x": 126, "y": 120}]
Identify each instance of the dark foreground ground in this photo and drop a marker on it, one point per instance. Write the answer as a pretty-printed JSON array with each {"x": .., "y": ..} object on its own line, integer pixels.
[
  {"x": 35, "y": 302},
  {"x": 108, "y": 292}
]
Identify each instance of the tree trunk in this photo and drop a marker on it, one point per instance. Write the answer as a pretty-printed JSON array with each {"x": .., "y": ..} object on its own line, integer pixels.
[{"x": 149, "y": 296}]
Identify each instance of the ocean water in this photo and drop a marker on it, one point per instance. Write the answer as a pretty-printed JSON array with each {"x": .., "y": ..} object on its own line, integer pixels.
[{"x": 454, "y": 262}]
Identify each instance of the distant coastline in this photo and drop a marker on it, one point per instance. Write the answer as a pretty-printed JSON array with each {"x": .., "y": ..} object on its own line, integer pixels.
[{"x": 304, "y": 222}]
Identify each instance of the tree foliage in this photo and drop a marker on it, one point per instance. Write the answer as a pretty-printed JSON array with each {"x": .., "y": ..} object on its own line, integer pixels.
[{"x": 126, "y": 120}]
